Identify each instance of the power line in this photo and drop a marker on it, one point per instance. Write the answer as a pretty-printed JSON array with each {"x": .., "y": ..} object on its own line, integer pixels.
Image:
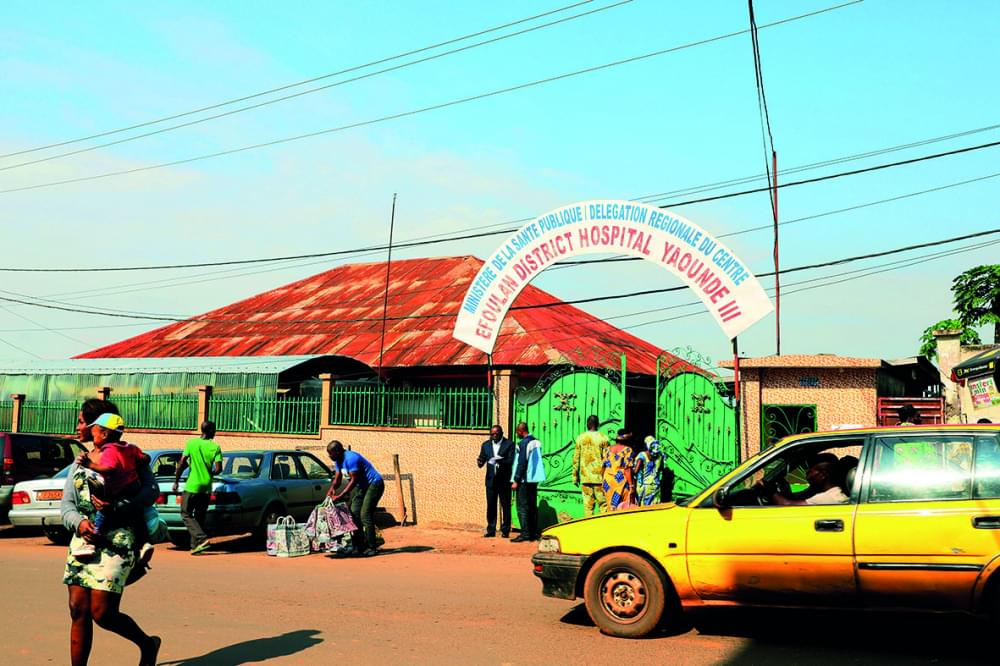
[
  {"x": 425, "y": 109},
  {"x": 870, "y": 270},
  {"x": 696, "y": 189},
  {"x": 807, "y": 181},
  {"x": 824, "y": 264},
  {"x": 297, "y": 83},
  {"x": 814, "y": 216},
  {"x": 328, "y": 86},
  {"x": 908, "y": 263}
]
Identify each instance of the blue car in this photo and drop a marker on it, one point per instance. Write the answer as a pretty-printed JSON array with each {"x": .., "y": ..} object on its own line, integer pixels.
[{"x": 255, "y": 488}]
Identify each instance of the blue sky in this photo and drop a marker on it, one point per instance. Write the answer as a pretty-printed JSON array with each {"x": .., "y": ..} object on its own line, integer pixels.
[{"x": 861, "y": 78}]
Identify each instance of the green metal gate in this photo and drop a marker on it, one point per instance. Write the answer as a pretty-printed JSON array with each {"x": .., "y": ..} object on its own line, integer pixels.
[
  {"x": 696, "y": 426},
  {"x": 556, "y": 411}
]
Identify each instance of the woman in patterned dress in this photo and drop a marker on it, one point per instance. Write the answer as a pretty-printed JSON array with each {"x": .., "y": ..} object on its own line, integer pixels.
[
  {"x": 648, "y": 471},
  {"x": 96, "y": 583},
  {"x": 618, "y": 463}
]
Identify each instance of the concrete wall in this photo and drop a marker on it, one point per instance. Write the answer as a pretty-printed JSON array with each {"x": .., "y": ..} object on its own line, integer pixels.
[
  {"x": 842, "y": 396},
  {"x": 441, "y": 483}
]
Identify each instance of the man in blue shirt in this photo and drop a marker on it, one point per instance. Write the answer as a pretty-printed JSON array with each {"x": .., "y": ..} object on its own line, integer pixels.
[
  {"x": 364, "y": 488},
  {"x": 529, "y": 471}
]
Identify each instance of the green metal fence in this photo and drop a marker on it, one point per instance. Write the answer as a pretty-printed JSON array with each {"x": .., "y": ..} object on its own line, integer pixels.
[
  {"x": 6, "y": 415},
  {"x": 159, "y": 412},
  {"x": 465, "y": 408},
  {"x": 247, "y": 413},
  {"x": 55, "y": 417}
]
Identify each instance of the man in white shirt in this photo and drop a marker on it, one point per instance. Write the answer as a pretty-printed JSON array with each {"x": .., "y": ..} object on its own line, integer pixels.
[{"x": 822, "y": 478}]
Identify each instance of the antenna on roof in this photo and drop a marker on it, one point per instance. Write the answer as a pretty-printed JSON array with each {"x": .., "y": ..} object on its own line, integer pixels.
[{"x": 385, "y": 298}]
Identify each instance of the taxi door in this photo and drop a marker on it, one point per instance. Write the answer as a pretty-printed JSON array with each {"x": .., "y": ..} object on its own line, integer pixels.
[
  {"x": 782, "y": 555},
  {"x": 773, "y": 555},
  {"x": 929, "y": 520}
]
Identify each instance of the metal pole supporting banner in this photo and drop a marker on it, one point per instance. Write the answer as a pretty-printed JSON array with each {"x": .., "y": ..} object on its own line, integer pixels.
[{"x": 737, "y": 398}]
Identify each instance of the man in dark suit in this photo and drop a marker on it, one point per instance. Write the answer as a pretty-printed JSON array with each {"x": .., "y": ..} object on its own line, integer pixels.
[{"x": 497, "y": 453}]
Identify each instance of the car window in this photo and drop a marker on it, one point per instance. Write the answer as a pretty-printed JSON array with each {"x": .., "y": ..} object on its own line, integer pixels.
[
  {"x": 286, "y": 466},
  {"x": 921, "y": 467},
  {"x": 987, "y": 483},
  {"x": 794, "y": 462},
  {"x": 241, "y": 465},
  {"x": 36, "y": 456},
  {"x": 313, "y": 468},
  {"x": 165, "y": 464}
]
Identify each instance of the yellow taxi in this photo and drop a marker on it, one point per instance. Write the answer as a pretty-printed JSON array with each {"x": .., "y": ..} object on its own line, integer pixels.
[{"x": 905, "y": 518}]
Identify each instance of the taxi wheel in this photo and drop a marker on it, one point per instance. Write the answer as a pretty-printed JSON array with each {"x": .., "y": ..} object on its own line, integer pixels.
[{"x": 625, "y": 595}]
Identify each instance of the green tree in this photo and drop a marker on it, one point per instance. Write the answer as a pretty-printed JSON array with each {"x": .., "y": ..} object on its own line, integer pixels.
[
  {"x": 928, "y": 345},
  {"x": 977, "y": 297}
]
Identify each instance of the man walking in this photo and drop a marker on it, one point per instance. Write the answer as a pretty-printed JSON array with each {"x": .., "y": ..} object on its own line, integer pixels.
[
  {"x": 497, "y": 453},
  {"x": 365, "y": 488},
  {"x": 528, "y": 473},
  {"x": 588, "y": 459},
  {"x": 204, "y": 457}
]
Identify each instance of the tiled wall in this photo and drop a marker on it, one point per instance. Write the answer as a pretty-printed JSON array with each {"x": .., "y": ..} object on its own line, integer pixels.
[{"x": 841, "y": 395}]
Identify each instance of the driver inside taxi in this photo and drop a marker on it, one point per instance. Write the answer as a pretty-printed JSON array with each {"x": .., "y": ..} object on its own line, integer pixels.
[{"x": 824, "y": 487}]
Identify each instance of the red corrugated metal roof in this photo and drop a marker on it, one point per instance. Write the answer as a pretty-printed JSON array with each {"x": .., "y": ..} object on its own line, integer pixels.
[{"x": 308, "y": 317}]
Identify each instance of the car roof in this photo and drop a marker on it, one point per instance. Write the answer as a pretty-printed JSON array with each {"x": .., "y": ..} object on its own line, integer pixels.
[
  {"x": 262, "y": 451},
  {"x": 883, "y": 430}
]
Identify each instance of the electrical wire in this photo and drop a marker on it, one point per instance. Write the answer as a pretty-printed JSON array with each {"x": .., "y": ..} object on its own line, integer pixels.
[
  {"x": 824, "y": 264},
  {"x": 807, "y": 181},
  {"x": 805, "y": 218},
  {"x": 425, "y": 109},
  {"x": 696, "y": 189},
  {"x": 297, "y": 84},
  {"x": 302, "y": 93}
]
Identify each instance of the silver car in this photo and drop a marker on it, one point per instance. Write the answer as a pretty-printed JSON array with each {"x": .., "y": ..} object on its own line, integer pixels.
[
  {"x": 35, "y": 503},
  {"x": 254, "y": 489}
]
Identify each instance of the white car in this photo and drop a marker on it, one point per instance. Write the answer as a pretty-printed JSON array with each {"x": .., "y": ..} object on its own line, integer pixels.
[{"x": 35, "y": 503}]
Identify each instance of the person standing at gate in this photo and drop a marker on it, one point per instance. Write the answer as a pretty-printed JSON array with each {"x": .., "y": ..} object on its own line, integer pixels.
[
  {"x": 619, "y": 487},
  {"x": 204, "y": 457},
  {"x": 497, "y": 453},
  {"x": 648, "y": 473},
  {"x": 587, "y": 466},
  {"x": 528, "y": 473}
]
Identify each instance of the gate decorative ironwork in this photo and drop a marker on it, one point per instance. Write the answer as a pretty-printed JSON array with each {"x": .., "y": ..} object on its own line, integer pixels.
[
  {"x": 780, "y": 421},
  {"x": 556, "y": 410},
  {"x": 695, "y": 422}
]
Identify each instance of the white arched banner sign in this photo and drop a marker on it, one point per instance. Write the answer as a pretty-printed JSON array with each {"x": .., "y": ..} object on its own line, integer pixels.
[{"x": 723, "y": 282}]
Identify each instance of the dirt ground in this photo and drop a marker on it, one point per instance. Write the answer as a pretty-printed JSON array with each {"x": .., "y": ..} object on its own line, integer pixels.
[{"x": 435, "y": 596}]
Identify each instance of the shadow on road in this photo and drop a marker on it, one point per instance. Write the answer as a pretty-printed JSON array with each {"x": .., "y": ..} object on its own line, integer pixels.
[
  {"x": 849, "y": 637},
  {"x": 405, "y": 549},
  {"x": 777, "y": 637},
  {"x": 257, "y": 650}
]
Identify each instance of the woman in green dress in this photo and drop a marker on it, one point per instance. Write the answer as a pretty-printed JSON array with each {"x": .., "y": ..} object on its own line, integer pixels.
[{"x": 96, "y": 583}]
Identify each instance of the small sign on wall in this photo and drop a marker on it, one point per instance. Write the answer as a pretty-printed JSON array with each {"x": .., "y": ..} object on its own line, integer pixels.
[
  {"x": 809, "y": 382},
  {"x": 984, "y": 392}
]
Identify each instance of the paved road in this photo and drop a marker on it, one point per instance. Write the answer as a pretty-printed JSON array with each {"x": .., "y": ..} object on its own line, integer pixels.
[{"x": 442, "y": 597}]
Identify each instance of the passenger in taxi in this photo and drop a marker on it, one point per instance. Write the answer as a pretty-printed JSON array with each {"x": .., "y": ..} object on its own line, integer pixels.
[{"x": 824, "y": 479}]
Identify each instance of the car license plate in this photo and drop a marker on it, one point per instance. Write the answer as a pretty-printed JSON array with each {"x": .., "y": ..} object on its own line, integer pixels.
[{"x": 49, "y": 495}]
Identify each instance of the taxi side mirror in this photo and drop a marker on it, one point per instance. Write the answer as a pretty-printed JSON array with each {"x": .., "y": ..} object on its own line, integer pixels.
[{"x": 720, "y": 499}]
